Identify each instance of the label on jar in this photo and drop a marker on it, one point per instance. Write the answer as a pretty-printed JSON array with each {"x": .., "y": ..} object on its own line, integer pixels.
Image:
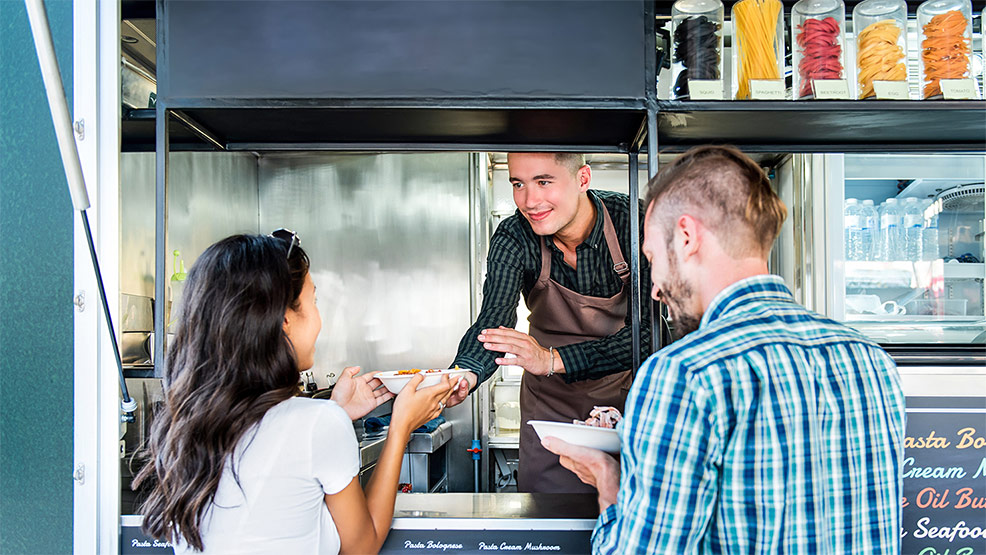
[
  {"x": 767, "y": 89},
  {"x": 705, "y": 89},
  {"x": 891, "y": 90},
  {"x": 959, "y": 89},
  {"x": 831, "y": 89}
]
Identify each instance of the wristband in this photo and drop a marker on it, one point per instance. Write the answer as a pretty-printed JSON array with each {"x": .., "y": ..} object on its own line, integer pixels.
[{"x": 551, "y": 353}]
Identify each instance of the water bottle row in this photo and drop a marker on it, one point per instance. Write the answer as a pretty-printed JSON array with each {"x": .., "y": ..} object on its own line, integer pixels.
[{"x": 897, "y": 230}]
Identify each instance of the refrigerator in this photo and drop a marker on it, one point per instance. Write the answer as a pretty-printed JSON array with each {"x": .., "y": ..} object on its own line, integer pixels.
[{"x": 892, "y": 245}]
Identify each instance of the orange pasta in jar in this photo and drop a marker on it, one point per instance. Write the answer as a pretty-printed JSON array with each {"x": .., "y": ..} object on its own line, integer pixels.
[{"x": 945, "y": 50}]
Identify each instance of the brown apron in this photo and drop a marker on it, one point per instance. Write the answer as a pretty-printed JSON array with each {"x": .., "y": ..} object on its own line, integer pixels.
[{"x": 560, "y": 316}]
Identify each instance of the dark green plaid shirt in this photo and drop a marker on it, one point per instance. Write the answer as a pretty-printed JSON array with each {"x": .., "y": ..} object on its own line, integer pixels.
[{"x": 513, "y": 266}]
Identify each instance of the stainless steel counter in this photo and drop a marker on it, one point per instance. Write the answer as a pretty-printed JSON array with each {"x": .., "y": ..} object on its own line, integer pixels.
[
  {"x": 425, "y": 462},
  {"x": 494, "y": 509},
  {"x": 420, "y": 442},
  {"x": 369, "y": 450},
  {"x": 429, "y": 442},
  {"x": 481, "y": 522}
]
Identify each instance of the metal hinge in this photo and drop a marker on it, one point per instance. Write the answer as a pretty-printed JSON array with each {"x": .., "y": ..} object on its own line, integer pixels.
[
  {"x": 80, "y": 301},
  {"x": 80, "y": 129},
  {"x": 80, "y": 474}
]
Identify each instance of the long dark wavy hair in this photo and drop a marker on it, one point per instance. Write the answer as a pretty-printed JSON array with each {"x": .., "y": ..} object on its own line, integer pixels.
[{"x": 229, "y": 363}]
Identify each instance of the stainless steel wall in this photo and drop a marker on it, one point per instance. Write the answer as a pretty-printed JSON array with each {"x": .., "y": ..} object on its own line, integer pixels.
[
  {"x": 388, "y": 240},
  {"x": 211, "y": 195},
  {"x": 388, "y": 237}
]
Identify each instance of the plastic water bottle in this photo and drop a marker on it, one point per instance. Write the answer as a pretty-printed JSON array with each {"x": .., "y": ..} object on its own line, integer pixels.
[
  {"x": 930, "y": 235},
  {"x": 913, "y": 228},
  {"x": 870, "y": 223},
  {"x": 890, "y": 231},
  {"x": 853, "y": 230}
]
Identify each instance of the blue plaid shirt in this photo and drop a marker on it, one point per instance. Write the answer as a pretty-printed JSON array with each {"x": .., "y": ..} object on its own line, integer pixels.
[{"x": 770, "y": 429}]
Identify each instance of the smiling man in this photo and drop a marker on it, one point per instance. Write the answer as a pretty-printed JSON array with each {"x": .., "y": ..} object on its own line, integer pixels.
[
  {"x": 566, "y": 250},
  {"x": 766, "y": 428}
]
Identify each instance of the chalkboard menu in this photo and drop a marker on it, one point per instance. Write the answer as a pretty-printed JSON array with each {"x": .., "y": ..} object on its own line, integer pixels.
[{"x": 944, "y": 476}]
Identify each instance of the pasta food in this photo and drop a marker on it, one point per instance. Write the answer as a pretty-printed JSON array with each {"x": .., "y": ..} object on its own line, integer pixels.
[
  {"x": 944, "y": 50},
  {"x": 821, "y": 53},
  {"x": 755, "y": 24},
  {"x": 696, "y": 47},
  {"x": 879, "y": 57}
]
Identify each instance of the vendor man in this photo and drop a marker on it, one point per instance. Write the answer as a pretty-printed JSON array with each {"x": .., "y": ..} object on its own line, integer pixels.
[{"x": 566, "y": 249}]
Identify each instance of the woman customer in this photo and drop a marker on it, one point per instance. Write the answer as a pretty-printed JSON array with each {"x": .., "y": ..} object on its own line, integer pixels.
[{"x": 237, "y": 462}]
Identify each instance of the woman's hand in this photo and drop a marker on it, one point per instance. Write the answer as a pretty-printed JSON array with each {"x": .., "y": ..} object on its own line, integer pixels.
[
  {"x": 414, "y": 407},
  {"x": 363, "y": 523},
  {"x": 462, "y": 389},
  {"x": 358, "y": 395}
]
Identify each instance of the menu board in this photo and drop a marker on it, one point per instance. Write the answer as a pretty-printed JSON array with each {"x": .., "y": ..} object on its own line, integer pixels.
[{"x": 944, "y": 474}]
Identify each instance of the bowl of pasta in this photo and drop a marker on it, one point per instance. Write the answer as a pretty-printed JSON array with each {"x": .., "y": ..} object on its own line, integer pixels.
[{"x": 395, "y": 380}]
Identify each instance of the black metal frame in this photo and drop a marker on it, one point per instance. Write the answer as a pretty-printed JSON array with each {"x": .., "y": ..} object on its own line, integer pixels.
[
  {"x": 167, "y": 108},
  {"x": 671, "y": 125},
  {"x": 826, "y": 126}
]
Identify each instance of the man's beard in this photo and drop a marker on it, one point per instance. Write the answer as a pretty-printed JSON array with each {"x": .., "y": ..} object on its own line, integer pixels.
[{"x": 674, "y": 292}]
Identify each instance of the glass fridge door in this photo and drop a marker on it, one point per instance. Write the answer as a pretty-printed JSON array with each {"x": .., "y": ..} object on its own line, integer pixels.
[{"x": 908, "y": 259}]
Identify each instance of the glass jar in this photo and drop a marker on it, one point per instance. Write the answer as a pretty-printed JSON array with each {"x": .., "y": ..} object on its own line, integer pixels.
[
  {"x": 758, "y": 44},
  {"x": 696, "y": 39},
  {"x": 817, "y": 44},
  {"x": 945, "y": 35},
  {"x": 880, "y": 27}
]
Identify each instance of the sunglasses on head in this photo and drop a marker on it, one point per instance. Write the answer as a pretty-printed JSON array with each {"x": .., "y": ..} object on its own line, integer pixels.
[{"x": 289, "y": 237}]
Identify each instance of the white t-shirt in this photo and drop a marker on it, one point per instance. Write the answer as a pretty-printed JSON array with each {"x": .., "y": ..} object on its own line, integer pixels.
[{"x": 301, "y": 449}]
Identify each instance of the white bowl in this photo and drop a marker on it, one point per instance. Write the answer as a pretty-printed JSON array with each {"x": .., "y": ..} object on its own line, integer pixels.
[
  {"x": 604, "y": 439},
  {"x": 395, "y": 382}
]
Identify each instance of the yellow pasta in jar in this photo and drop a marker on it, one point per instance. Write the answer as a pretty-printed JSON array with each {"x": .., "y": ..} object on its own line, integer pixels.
[
  {"x": 755, "y": 28},
  {"x": 879, "y": 57}
]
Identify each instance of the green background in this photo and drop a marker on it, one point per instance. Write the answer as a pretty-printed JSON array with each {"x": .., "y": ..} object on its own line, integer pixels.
[{"x": 36, "y": 275}]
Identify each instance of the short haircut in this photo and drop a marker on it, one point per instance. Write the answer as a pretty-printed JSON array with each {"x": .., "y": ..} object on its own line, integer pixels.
[
  {"x": 571, "y": 160},
  {"x": 724, "y": 189}
]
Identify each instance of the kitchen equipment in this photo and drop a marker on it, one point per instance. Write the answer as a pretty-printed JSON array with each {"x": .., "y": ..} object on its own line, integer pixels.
[
  {"x": 870, "y": 304},
  {"x": 938, "y": 296},
  {"x": 506, "y": 404},
  {"x": 425, "y": 463},
  {"x": 937, "y": 307}
]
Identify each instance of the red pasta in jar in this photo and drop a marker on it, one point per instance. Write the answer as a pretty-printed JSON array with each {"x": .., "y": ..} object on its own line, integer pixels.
[{"x": 818, "y": 43}]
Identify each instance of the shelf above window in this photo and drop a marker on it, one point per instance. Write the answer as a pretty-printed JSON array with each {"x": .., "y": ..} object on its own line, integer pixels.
[
  {"x": 604, "y": 126},
  {"x": 825, "y": 126},
  {"x": 138, "y": 133}
]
